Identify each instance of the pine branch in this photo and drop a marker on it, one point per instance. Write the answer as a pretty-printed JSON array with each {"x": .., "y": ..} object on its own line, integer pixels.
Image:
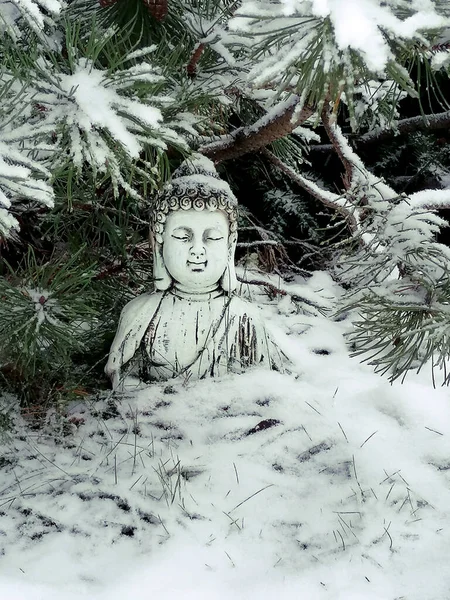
[
  {"x": 329, "y": 199},
  {"x": 331, "y": 132},
  {"x": 430, "y": 200},
  {"x": 428, "y": 122},
  {"x": 441, "y": 47},
  {"x": 282, "y": 120},
  {"x": 191, "y": 67}
]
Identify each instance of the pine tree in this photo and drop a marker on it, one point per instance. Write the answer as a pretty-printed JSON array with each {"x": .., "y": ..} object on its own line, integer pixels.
[
  {"x": 95, "y": 99},
  {"x": 101, "y": 99}
]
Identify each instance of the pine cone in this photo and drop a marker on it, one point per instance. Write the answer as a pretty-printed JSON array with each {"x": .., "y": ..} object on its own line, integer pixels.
[{"x": 157, "y": 8}]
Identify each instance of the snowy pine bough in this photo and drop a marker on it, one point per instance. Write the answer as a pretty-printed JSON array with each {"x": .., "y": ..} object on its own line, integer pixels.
[
  {"x": 90, "y": 115},
  {"x": 398, "y": 274},
  {"x": 64, "y": 108},
  {"x": 108, "y": 119}
]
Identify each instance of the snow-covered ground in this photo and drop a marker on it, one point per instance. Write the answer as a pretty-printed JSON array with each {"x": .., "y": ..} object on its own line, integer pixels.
[{"x": 325, "y": 482}]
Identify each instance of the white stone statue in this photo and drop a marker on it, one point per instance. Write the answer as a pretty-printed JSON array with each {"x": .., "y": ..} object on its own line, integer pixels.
[{"x": 193, "y": 324}]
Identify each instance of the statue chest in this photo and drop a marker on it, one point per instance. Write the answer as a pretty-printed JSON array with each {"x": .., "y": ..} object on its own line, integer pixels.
[{"x": 179, "y": 332}]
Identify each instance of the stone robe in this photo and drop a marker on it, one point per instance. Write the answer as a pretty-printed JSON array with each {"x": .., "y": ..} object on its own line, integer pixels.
[{"x": 165, "y": 334}]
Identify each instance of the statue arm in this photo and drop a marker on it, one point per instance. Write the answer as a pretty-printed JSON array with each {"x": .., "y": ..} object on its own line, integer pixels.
[{"x": 134, "y": 320}]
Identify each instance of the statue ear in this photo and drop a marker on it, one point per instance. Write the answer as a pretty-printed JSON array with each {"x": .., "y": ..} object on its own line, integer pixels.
[
  {"x": 161, "y": 276},
  {"x": 228, "y": 280}
]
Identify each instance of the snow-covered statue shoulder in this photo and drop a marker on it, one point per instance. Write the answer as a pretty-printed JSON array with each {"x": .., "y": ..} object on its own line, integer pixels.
[{"x": 194, "y": 323}]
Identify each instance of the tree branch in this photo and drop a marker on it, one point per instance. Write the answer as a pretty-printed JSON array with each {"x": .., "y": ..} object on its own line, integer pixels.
[
  {"x": 281, "y": 121},
  {"x": 427, "y": 122},
  {"x": 327, "y": 198},
  {"x": 275, "y": 290},
  {"x": 326, "y": 120}
]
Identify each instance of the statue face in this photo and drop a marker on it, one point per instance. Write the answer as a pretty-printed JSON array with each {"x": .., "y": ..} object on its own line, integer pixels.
[{"x": 195, "y": 247}]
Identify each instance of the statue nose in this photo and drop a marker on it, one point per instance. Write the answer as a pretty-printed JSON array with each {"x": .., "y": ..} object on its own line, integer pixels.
[{"x": 197, "y": 250}]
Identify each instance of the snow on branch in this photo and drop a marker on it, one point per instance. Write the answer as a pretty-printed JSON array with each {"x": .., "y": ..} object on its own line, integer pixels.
[
  {"x": 95, "y": 103},
  {"x": 280, "y": 121},
  {"x": 402, "y": 127},
  {"x": 17, "y": 181},
  {"x": 36, "y": 13},
  {"x": 337, "y": 144},
  {"x": 106, "y": 127},
  {"x": 361, "y": 183},
  {"x": 430, "y": 199}
]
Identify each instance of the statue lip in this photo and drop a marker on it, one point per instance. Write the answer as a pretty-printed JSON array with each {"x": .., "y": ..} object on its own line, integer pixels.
[{"x": 202, "y": 263}]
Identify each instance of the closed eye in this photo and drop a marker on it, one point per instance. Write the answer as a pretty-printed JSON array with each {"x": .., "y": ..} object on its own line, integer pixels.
[
  {"x": 214, "y": 239},
  {"x": 183, "y": 238}
]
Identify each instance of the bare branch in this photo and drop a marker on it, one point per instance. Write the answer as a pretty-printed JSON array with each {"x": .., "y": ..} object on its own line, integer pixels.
[
  {"x": 273, "y": 288},
  {"x": 259, "y": 243},
  {"x": 329, "y": 199},
  {"x": 429, "y": 122}
]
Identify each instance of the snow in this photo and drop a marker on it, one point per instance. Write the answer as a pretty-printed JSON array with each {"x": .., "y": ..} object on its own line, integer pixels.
[
  {"x": 307, "y": 134},
  {"x": 358, "y": 24},
  {"x": 296, "y": 38},
  {"x": 440, "y": 60},
  {"x": 430, "y": 198},
  {"x": 99, "y": 121},
  {"x": 326, "y": 482},
  {"x": 17, "y": 181},
  {"x": 141, "y": 52},
  {"x": 98, "y": 106},
  {"x": 36, "y": 13},
  {"x": 273, "y": 113},
  {"x": 44, "y": 305}
]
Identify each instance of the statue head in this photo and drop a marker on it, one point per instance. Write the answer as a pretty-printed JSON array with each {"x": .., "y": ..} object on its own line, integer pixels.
[{"x": 194, "y": 230}]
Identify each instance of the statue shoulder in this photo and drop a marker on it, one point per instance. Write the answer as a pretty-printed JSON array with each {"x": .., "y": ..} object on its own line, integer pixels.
[
  {"x": 139, "y": 308},
  {"x": 134, "y": 320}
]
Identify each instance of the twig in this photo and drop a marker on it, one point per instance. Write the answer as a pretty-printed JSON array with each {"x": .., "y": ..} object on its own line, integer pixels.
[
  {"x": 311, "y": 406},
  {"x": 270, "y": 286},
  {"x": 390, "y": 490},
  {"x": 342, "y": 539},
  {"x": 343, "y": 432},
  {"x": 231, "y": 561},
  {"x": 329, "y": 128},
  {"x": 236, "y": 472},
  {"x": 404, "y": 126},
  {"x": 259, "y": 243},
  {"x": 356, "y": 477},
  {"x": 314, "y": 190},
  {"x": 433, "y": 430},
  {"x": 386, "y": 531},
  {"x": 233, "y": 521}
]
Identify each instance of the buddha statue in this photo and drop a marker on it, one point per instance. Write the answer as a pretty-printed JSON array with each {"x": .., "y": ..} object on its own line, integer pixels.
[{"x": 193, "y": 324}]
